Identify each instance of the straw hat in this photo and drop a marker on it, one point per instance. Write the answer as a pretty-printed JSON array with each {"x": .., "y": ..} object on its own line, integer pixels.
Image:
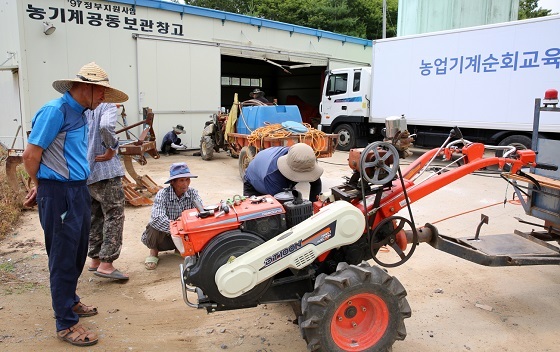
[
  {"x": 300, "y": 164},
  {"x": 179, "y": 170},
  {"x": 92, "y": 74}
]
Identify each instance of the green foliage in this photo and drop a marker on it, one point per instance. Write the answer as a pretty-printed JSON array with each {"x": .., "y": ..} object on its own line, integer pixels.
[
  {"x": 238, "y": 6},
  {"x": 358, "y": 18},
  {"x": 7, "y": 267},
  {"x": 531, "y": 9}
]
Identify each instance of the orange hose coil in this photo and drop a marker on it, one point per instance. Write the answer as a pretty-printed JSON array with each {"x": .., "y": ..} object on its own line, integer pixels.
[{"x": 314, "y": 138}]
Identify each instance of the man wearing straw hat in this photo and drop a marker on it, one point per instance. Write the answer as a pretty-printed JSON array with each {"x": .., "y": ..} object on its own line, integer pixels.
[{"x": 56, "y": 160}]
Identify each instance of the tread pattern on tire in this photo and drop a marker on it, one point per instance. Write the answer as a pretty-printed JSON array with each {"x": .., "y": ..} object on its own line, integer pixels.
[
  {"x": 206, "y": 148},
  {"x": 330, "y": 290}
]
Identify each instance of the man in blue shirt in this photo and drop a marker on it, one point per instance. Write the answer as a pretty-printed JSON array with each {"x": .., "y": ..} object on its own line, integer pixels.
[
  {"x": 171, "y": 142},
  {"x": 56, "y": 160},
  {"x": 278, "y": 168}
]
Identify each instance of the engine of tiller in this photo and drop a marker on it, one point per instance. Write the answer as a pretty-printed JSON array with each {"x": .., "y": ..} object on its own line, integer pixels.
[{"x": 208, "y": 238}]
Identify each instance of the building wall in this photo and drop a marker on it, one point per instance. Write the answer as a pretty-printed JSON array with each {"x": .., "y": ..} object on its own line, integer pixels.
[
  {"x": 175, "y": 70},
  {"x": 423, "y": 16},
  {"x": 9, "y": 77}
]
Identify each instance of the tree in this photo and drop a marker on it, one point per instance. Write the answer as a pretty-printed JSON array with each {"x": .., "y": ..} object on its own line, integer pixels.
[
  {"x": 528, "y": 9},
  {"x": 359, "y": 18},
  {"x": 238, "y": 6}
]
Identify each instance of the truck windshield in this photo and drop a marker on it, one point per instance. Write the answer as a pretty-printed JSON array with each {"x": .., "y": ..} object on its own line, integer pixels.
[{"x": 337, "y": 84}]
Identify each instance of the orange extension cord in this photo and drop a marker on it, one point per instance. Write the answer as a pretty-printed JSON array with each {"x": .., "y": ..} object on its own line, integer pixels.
[
  {"x": 313, "y": 137},
  {"x": 513, "y": 201}
]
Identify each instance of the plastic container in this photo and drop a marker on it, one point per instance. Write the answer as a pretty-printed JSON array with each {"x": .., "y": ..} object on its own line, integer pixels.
[{"x": 253, "y": 117}]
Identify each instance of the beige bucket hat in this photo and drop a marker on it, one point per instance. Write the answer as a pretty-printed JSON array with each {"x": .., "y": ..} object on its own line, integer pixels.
[
  {"x": 300, "y": 164},
  {"x": 92, "y": 74},
  {"x": 179, "y": 129}
]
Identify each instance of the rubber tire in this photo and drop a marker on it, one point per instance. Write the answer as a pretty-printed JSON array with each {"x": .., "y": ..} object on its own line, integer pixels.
[
  {"x": 246, "y": 154},
  {"x": 520, "y": 142},
  {"x": 331, "y": 292},
  {"x": 346, "y": 135},
  {"x": 206, "y": 148}
]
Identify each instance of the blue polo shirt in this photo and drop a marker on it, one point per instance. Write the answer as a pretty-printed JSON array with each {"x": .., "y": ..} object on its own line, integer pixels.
[
  {"x": 263, "y": 174},
  {"x": 61, "y": 130}
]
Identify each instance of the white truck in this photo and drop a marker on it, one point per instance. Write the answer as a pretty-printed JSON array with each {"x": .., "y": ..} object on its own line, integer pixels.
[{"x": 482, "y": 79}]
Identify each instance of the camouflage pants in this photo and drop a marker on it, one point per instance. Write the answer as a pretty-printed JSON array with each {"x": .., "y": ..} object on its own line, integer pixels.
[{"x": 107, "y": 219}]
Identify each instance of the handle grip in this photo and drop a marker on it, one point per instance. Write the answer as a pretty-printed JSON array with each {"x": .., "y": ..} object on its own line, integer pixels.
[
  {"x": 546, "y": 166},
  {"x": 456, "y": 132}
]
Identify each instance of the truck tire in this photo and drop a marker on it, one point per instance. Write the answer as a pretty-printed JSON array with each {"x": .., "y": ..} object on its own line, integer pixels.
[
  {"x": 206, "y": 148},
  {"x": 357, "y": 308},
  {"x": 346, "y": 137},
  {"x": 246, "y": 154},
  {"x": 519, "y": 141}
]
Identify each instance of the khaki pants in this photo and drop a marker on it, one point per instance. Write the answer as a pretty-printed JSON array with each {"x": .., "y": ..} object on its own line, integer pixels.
[{"x": 155, "y": 239}]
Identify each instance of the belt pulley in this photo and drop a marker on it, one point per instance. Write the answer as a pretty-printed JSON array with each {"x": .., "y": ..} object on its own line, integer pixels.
[{"x": 379, "y": 164}]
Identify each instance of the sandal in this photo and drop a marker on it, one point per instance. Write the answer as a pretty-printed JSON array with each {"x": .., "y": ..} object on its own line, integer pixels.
[
  {"x": 78, "y": 335},
  {"x": 84, "y": 311},
  {"x": 151, "y": 262}
]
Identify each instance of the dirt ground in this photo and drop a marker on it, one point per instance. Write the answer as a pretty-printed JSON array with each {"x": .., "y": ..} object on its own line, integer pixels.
[{"x": 456, "y": 305}]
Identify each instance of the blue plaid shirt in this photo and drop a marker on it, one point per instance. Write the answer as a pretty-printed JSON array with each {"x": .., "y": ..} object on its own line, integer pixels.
[
  {"x": 102, "y": 122},
  {"x": 168, "y": 207}
]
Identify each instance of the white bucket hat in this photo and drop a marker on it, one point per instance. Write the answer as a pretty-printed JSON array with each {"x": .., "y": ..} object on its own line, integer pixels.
[
  {"x": 300, "y": 164},
  {"x": 92, "y": 74}
]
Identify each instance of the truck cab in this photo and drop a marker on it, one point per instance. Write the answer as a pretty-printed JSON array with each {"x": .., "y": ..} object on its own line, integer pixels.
[{"x": 345, "y": 105}]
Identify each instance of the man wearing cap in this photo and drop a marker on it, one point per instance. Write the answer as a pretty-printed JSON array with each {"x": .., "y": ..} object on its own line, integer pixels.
[
  {"x": 56, "y": 160},
  {"x": 258, "y": 94},
  {"x": 278, "y": 168},
  {"x": 171, "y": 143},
  {"x": 169, "y": 203}
]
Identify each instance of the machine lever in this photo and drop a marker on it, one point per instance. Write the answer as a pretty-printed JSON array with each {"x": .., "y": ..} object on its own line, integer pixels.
[
  {"x": 546, "y": 167},
  {"x": 201, "y": 212},
  {"x": 483, "y": 220}
]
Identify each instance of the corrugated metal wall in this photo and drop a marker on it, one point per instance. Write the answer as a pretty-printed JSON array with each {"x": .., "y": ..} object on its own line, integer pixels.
[{"x": 423, "y": 16}]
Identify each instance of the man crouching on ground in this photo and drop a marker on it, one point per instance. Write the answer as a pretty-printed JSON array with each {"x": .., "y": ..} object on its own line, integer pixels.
[{"x": 169, "y": 203}]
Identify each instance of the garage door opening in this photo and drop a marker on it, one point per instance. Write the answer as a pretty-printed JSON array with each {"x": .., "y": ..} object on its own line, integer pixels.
[{"x": 300, "y": 85}]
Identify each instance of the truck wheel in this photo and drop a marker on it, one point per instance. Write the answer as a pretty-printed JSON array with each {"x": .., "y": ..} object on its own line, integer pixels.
[
  {"x": 206, "y": 148},
  {"x": 519, "y": 141},
  {"x": 246, "y": 154},
  {"x": 346, "y": 137},
  {"x": 357, "y": 308}
]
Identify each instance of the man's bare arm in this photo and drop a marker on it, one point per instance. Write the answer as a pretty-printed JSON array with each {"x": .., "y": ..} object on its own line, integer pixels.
[{"x": 31, "y": 161}]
